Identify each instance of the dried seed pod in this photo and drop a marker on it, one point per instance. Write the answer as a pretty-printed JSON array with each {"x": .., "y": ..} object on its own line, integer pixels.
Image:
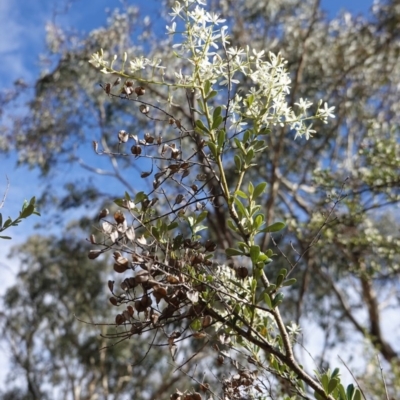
[
  {"x": 126, "y": 315},
  {"x": 140, "y": 90},
  {"x": 120, "y": 268},
  {"x": 119, "y": 319},
  {"x": 210, "y": 246},
  {"x": 136, "y": 150},
  {"x": 207, "y": 321},
  {"x": 242, "y": 272},
  {"x": 142, "y": 276},
  {"x": 148, "y": 138},
  {"x": 160, "y": 290},
  {"x": 94, "y": 254},
  {"x": 119, "y": 217},
  {"x": 113, "y": 301},
  {"x": 179, "y": 199},
  {"x": 128, "y": 83},
  {"x": 174, "y": 168},
  {"x": 144, "y": 109},
  {"x": 117, "y": 81},
  {"x": 103, "y": 213},
  {"x": 111, "y": 286},
  {"x": 186, "y": 172},
  {"x": 172, "y": 279},
  {"x": 194, "y": 188},
  {"x": 123, "y": 136},
  {"x": 130, "y": 310},
  {"x": 107, "y": 88},
  {"x": 127, "y": 90},
  {"x": 92, "y": 239}
]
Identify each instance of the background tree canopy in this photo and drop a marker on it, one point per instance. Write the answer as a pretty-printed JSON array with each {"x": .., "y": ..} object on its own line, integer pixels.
[{"x": 348, "y": 273}]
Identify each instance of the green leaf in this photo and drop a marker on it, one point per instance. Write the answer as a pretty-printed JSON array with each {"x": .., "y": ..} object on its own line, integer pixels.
[
  {"x": 241, "y": 209},
  {"x": 277, "y": 226},
  {"x": 221, "y": 138},
  {"x": 140, "y": 196},
  {"x": 267, "y": 300},
  {"x": 199, "y": 124},
  {"x": 172, "y": 225},
  {"x": 1, "y": 220},
  {"x": 278, "y": 300},
  {"x": 238, "y": 162},
  {"x": 127, "y": 196},
  {"x": 350, "y": 391},
  {"x": 342, "y": 392},
  {"x": 325, "y": 382},
  {"x": 254, "y": 253},
  {"x": 318, "y": 396},
  {"x": 332, "y": 385},
  {"x": 250, "y": 189},
  {"x": 217, "y": 112},
  {"x": 217, "y": 122},
  {"x": 259, "y": 189},
  {"x": 207, "y": 87},
  {"x": 241, "y": 194},
  {"x": 213, "y": 149},
  {"x": 230, "y": 252},
  {"x": 201, "y": 216},
  {"x": 27, "y": 211},
  {"x": 212, "y": 94},
  {"x": 279, "y": 280},
  {"x": 7, "y": 223},
  {"x": 232, "y": 225},
  {"x": 249, "y": 156},
  {"x": 289, "y": 282},
  {"x": 196, "y": 324},
  {"x": 5, "y": 237},
  {"x": 258, "y": 221},
  {"x": 357, "y": 395}
]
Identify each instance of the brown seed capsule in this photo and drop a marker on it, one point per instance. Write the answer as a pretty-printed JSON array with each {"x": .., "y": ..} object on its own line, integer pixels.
[
  {"x": 144, "y": 109},
  {"x": 119, "y": 217},
  {"x": 119, "y": 319},
  {"x": 113, "y": 301},
  {"x": 210, "y": 246},
  {"x": 140, "y": 91},
  {"x": 120, "y": 268},
  {"x": 94, "y": 254},
  {"x": 129, "y": 83},
  {"x": 103, "y": 213},
  {"x": 148, "y": 138},
  {"x": 136, "y": 150},
  {"x": 242, "y": 272}
]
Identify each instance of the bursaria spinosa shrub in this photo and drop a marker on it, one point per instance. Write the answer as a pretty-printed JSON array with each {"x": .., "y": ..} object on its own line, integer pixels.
[{"x": 173, "y": 284}]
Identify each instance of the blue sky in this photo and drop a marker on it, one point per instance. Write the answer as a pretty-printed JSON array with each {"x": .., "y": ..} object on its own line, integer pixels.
[{"x": 22, "y": 39}]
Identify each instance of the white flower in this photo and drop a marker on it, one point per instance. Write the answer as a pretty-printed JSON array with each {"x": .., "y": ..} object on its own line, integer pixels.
[
  {"x": 171, "y": 30},
  {"x": 326, "y": 112},
  {"x": 303, "y": 104}
]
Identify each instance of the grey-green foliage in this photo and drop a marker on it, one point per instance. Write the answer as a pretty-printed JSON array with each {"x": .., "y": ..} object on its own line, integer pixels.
[
  {"x": 28, "y": 209},
  {"x": 350, "y": 61}
]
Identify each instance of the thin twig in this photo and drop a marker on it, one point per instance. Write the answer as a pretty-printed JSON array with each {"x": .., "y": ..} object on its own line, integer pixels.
[
  {"x": 352, "y": 375},
  {"x": 383, "y": 377},
  {"x": 5, "y": 193}
]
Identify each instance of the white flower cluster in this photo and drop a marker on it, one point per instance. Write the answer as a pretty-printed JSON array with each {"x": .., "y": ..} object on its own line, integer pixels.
[{"x": 206, "y": 48}]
